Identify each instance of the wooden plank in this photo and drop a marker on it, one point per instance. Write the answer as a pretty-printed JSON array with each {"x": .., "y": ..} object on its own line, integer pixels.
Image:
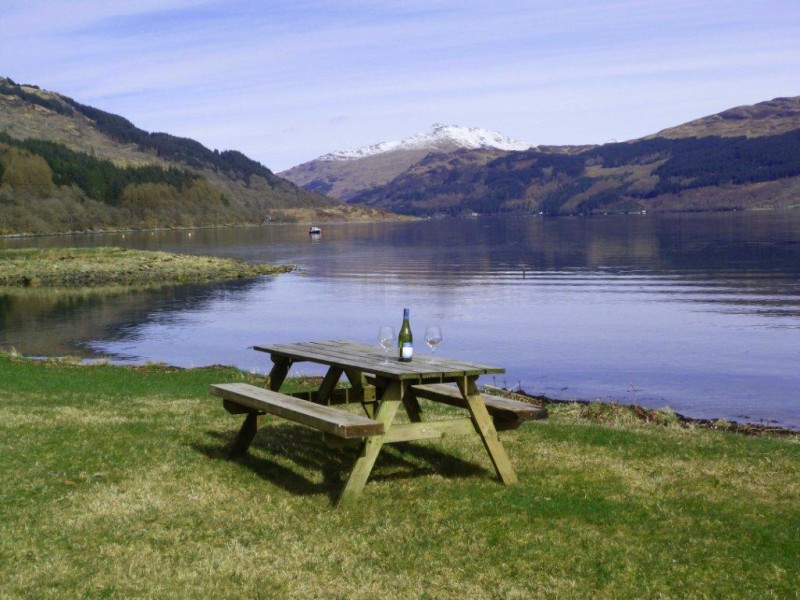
[
  {"x": 364, "y": 352},
  {"x": 322, "y": 351},
  {"x": 234, "y": 408},
  {"x": 359, "y": 356},
  {"x": 369, "y": 359},
  {"x": 324, "y": 418},
  {"x": 485, "y": 428},
  {"x": 430, "y": 430},
  {"x": 507, "y": 413},
  {"x": 339, "y": 396},
  {"x": 423, "y": 361},
  {"x": 331, "y": 441}
]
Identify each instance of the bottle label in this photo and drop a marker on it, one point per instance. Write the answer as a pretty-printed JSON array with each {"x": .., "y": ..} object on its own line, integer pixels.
[{"x": 406, "y": 351}]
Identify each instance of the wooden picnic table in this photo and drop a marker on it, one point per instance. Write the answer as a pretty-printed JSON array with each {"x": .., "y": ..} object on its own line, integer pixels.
[{"x": 381, "y": 387}]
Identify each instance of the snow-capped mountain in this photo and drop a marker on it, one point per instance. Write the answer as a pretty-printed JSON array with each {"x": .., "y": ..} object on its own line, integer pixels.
[
  {"x": 346, "y": 173},
  {"x": 441, "y": 138}
]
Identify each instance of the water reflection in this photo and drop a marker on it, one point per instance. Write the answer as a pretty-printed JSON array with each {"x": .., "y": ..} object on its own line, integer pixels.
[{"x": 59, "y": 322}]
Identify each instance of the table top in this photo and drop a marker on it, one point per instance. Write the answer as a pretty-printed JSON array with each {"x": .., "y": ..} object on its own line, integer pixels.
[{"x": 369, "y": 359}]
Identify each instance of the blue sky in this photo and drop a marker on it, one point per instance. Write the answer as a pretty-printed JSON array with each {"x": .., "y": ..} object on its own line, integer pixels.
[{"x": 285, "y": 82}]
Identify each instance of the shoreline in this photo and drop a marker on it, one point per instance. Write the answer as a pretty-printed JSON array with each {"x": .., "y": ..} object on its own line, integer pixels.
[
  {"x": 143, "y": 230},
  {"x": 661, "y": 416},
  {"x": 596, "y": 410},
  {"x": 269, "y": 223}
]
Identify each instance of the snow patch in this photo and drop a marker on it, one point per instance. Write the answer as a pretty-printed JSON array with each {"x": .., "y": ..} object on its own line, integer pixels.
[{"x": 445, "y": 138}]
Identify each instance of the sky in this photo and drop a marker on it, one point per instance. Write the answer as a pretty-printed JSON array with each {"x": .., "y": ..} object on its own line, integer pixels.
[{"x": 287, "y": 81}]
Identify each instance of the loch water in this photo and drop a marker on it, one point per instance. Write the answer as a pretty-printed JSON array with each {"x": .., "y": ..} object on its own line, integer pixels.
[{"x": 698, "y": 312}]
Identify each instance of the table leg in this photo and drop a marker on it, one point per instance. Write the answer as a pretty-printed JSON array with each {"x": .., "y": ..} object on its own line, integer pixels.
[
  {"x": 328, "y": 384},
  {"x": 280, "y": 369},
  {"x": 411, "y": 404},
  {"x": 359, "y": 383},
  {"x": 387, "y": 409},
  {"x": 246, "y": 434},
  {"x": 252, "y": 421},
  {"x": 485, "y": 427}
]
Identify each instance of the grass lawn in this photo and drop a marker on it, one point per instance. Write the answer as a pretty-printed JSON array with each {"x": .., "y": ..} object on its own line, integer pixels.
[{"x": 115, "y": 484}]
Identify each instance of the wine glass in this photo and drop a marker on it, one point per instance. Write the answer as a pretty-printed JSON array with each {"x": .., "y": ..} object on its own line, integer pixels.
[
  {"x": 386, "y": 338},
  {"x": 433, "y": 337}
]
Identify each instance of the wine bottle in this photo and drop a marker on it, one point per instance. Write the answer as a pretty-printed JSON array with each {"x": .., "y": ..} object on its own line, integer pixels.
[{"x": 405, "y": 340}]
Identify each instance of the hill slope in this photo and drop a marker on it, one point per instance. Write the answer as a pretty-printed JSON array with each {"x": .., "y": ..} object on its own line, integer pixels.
[
  {"x": 681, "y": 169},
  {"x": 772, "y": 117},
  {"x": 65, "y": 166}
]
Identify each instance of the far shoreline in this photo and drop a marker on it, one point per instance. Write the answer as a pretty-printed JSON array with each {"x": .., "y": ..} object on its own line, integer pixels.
[
  {"x": 397, "y": 218},
  {"x": 267, "y": 223}
]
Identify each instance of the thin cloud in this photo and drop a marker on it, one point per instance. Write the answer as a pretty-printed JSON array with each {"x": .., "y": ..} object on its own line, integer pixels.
[{"x": 272, "y": 79}]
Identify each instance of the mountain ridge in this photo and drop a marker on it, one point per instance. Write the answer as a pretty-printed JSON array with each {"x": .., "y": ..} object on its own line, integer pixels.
[
  {"x": 771, "y": 117},
  {"x": 741, "y": 158}
]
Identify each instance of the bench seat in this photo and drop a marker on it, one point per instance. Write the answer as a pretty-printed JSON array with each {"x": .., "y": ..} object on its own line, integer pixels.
[
  {"x": 506, "y": 413},
  {"x": 243, "y": 397}
]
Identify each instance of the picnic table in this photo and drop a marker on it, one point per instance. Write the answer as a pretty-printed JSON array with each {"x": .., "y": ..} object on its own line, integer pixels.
[{"x": 381, "y": 387}]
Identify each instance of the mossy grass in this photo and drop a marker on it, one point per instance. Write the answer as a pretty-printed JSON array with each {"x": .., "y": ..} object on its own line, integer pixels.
[
  {"x": 103, "y": 266},
  {"x": 115, "y": 483}
]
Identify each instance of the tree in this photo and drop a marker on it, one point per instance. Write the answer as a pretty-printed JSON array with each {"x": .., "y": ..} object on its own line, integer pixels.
[{"x": 26, "y": 172}]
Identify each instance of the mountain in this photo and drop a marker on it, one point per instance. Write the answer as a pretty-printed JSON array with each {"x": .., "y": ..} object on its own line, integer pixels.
[
  {"x": 345, "y": 173},
  {"x": 743, "y": 158},
  {"x": 66, "y": 166}
]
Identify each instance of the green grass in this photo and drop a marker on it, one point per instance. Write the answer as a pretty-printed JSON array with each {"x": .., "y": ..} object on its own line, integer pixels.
[
  {"x": 115, "y": 484},
  {"x": 76, "y": 267}
]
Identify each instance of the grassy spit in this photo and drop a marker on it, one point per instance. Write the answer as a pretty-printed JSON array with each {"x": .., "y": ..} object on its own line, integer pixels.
[
  {"x": 115, "y": 483},
  {"x": 76, "y": 267}
]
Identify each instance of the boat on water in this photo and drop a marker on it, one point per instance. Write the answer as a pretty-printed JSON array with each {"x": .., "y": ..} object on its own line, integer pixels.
[{"x": 314, "y": 231}]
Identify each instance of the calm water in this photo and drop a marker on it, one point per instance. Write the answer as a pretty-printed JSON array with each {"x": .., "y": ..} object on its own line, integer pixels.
[{"x": 697, "y": 312}]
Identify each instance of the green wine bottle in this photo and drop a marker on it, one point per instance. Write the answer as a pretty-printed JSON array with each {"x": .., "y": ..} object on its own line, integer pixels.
[{"x": 405, "y": 341}]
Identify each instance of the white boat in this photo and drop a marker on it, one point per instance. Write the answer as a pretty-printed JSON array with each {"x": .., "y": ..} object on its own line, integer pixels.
[{"x": 314, "y": 231}]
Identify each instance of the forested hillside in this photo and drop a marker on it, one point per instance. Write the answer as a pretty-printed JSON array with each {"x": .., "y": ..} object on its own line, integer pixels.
[
  {"x": 706, "y": 173},
  {"x": 65, "y": 166}
]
